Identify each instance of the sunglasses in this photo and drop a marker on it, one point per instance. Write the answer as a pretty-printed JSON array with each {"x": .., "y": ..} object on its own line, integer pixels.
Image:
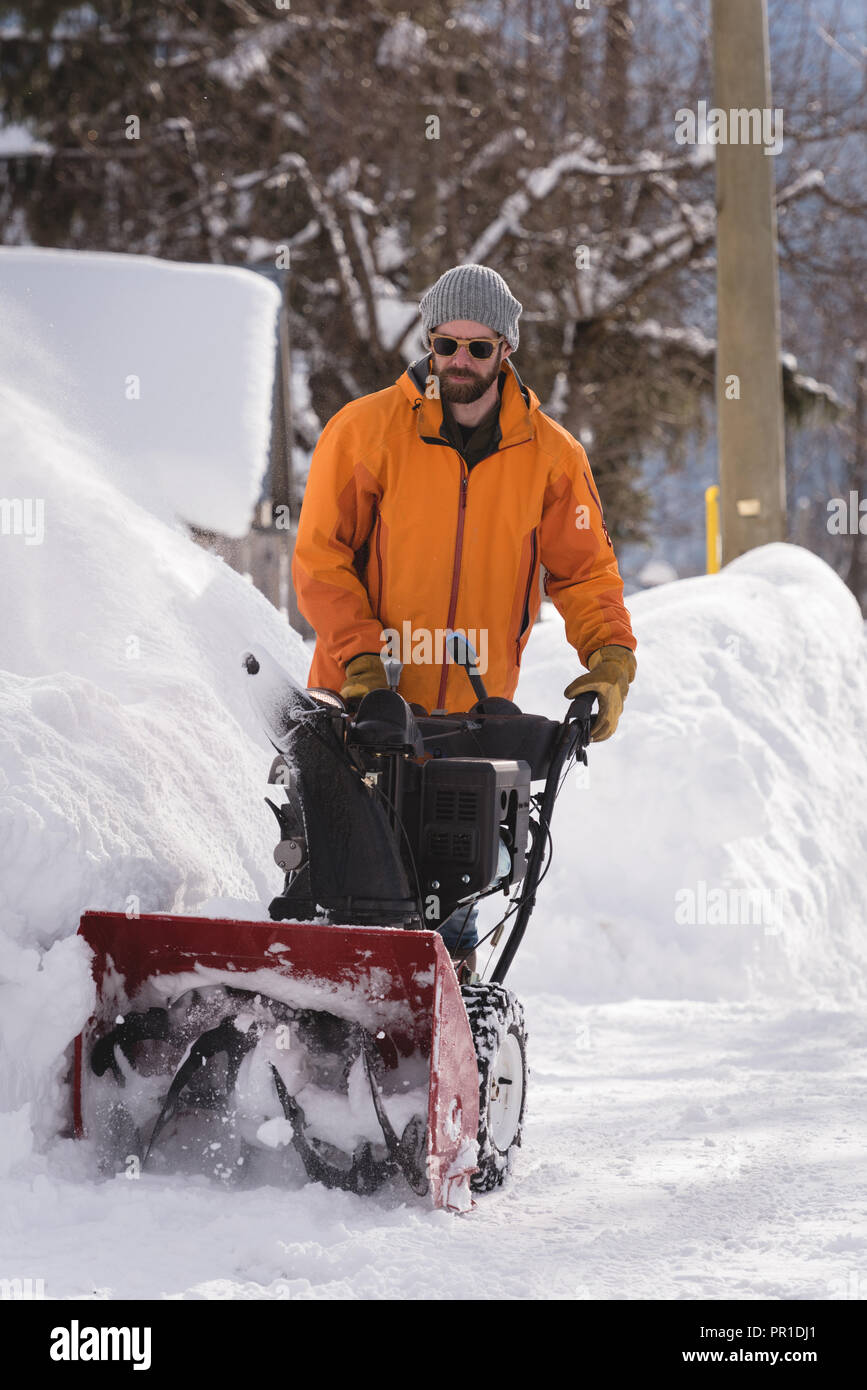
[{"x": 481, "y": 348}]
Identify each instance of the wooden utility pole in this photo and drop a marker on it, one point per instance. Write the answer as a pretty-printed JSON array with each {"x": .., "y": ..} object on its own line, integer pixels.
[{"x": 749, "y": 390}]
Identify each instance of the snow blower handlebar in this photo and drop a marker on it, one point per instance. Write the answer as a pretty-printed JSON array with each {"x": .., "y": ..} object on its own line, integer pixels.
[
  {"x": 396, "y": 817},
  {"x": 571, "y": 742},
  {"x": 581, "y": 709}
]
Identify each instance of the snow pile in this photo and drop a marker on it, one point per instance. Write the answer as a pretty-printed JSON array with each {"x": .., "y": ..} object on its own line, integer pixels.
[
  {"x": 132, "y": 770},
  {"x": 715, "y": 847},
  {"x": 167, "y": 367}
]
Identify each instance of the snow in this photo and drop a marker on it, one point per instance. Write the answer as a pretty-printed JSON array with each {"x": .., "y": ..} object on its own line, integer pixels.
[
  {"x": 690, "y": 337},
  {"x": 805, "y": 183},
  {"x": 741, "y": 765},
  {"x": 166, "y": 368},
  {"x": 402, "y": 44},
  {"x": 362, "y": 1004},
  {"x": 656, "y": 572},
  {"x": 18, "y": 140},
  {"x": 250, "y": 55},
  {"x": 684, "y": 1151},
  {"x": 670, "y": 244},
  {"x": 305, "y": 419},
  {"x": 394, "y": 318},
  {"x": 696, "y": 1121},
  {"x": 388, "y": 250},
  {"x": 120, "y": 772}
]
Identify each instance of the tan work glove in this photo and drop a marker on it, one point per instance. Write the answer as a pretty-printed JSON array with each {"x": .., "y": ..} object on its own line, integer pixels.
[
  {"x": 612, "y": 669},
  {"x": 363, "y": 674}
]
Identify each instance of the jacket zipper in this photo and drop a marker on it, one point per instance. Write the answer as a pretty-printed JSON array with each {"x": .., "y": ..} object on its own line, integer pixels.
[
  {"x": 456, "y": 575},
  {"x": 592, "y": 493},
  {"x": 599, "y": 506},
  {"x": 525, "y": 615},
  {"x": 378, "y": 567}
]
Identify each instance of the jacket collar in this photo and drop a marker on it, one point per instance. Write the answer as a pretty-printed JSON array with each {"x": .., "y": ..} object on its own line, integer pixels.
[{"x": 517, "y": 404}]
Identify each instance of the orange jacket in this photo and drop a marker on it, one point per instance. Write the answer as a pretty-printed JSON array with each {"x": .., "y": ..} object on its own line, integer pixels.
[{"x": 397, "y": 536}]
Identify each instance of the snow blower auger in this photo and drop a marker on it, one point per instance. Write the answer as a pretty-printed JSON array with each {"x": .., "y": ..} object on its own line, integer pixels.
[{"x": 334, "y": 1042}]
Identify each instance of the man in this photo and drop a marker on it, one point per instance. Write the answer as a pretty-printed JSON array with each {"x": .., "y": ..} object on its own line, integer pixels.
[{"x": 430, "y": 506}]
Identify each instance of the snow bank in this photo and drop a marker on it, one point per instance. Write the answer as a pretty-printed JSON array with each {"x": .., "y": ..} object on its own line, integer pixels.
[
  {"x": 166, "y": 367},
  {"x": 132, "y": 771},
  {"x": 716, "y": 846}
]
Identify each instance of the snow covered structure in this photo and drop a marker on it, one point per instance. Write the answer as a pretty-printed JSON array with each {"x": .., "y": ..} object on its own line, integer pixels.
[{"x": 169, "y": 367}]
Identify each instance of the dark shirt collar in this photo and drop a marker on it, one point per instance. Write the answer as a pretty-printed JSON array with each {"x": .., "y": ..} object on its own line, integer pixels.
[{"x": 485, "y": 436}]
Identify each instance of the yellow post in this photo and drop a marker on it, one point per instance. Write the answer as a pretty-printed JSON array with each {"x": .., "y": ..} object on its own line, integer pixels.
[{"x": 714, "y": 539}]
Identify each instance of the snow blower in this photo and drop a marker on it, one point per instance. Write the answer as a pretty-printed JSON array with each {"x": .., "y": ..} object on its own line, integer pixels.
[{"x": 339, "y": 1042}]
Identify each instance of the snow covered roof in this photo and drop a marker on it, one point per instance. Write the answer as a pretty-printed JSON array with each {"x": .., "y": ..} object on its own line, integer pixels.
[{"x": 169, "y": 366}]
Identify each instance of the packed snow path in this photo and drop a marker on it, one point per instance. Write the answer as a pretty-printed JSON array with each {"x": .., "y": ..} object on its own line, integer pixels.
[{"x": 674, "y": 1150}]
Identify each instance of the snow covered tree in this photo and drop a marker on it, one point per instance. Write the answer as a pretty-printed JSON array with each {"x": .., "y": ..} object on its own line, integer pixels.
[{"x": 364, "y": 148}]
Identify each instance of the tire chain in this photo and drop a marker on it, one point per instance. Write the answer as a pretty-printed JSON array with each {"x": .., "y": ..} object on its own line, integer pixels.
[{"x": 493, "y": 1011}]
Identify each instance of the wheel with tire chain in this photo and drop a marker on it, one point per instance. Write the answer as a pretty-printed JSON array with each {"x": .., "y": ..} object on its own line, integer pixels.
[{"x": 500, "y": 1037}]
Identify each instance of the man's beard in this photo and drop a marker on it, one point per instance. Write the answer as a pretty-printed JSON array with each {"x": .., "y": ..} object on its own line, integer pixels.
[{"x": 465, "y": 391}]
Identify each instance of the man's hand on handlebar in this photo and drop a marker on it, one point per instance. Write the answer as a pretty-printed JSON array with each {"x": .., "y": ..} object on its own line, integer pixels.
[
  {"x": 612, "y": 669},
  {"x": 364, "y": 673}
]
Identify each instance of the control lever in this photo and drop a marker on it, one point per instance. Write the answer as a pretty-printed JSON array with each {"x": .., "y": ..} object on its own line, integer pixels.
[
  {"x": 393, "y": 668},
  {"x": 462, "y": 654}
]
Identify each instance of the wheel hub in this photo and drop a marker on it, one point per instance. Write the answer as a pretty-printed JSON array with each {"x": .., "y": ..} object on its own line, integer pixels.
[{"x": 507, "y": 1087}]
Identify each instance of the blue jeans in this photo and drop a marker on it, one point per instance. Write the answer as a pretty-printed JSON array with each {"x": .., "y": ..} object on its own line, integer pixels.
[{"x": 460, "y": 932}]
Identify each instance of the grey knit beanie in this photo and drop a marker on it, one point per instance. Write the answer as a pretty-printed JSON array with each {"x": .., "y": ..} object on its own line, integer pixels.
[{"x": 472, "y": 292}]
